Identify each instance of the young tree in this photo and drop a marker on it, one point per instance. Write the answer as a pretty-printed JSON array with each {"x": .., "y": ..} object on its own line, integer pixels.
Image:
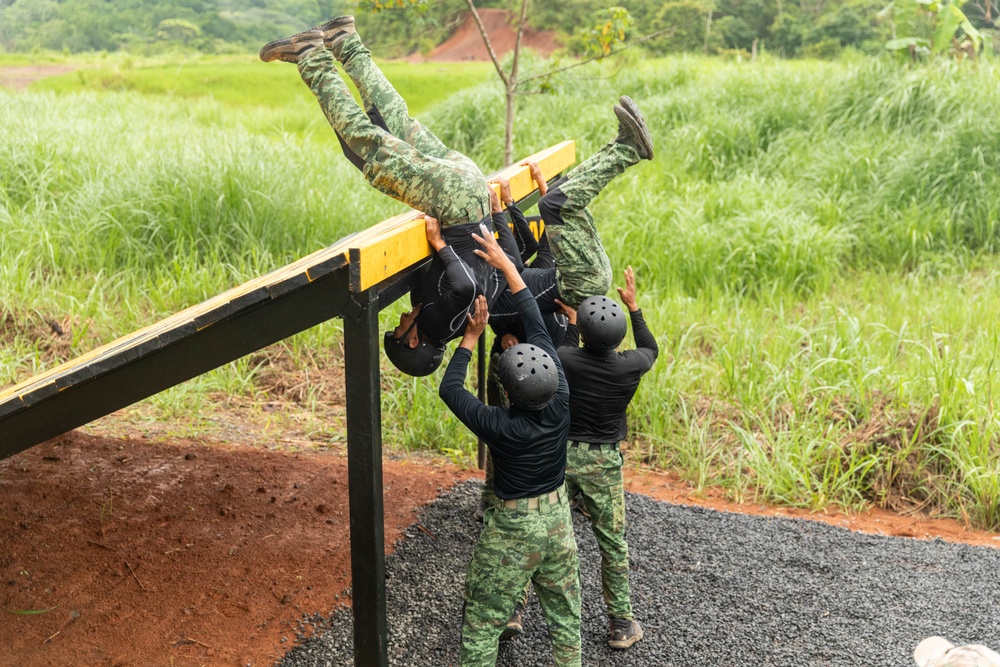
[{"x": 611, "y": 30}]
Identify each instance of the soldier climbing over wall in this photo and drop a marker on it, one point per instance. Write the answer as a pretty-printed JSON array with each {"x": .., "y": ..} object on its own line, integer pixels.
[{"x": 403, "y": 159}]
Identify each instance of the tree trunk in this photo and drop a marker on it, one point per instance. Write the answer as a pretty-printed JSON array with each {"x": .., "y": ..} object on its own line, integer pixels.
[
  {"x": 511, "y": 89},
  {"x": 508, "y": 141},
  {"x": 708, "y": 28}
]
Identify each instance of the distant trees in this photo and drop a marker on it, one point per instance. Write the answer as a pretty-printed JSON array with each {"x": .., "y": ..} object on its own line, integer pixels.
[
  {"x": 151, "y": 25},
  {"x": 784, "y": 27}
]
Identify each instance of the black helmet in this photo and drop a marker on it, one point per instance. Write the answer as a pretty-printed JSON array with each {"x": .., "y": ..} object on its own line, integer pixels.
[
  {"x": 417, "y": 361},
  {"x": 529, "y": 375},
  {"x": 601, "y": 323}
]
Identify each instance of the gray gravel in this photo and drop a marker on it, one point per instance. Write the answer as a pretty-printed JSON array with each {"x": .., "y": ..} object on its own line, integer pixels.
[{"x": 710, "y": 588}]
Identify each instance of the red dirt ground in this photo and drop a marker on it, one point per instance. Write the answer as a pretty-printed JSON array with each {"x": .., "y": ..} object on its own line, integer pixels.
[
  {"x": 467, "y": 43},
  {"x": 177, "y": 554},
  {"x": 18, "y": 78}
]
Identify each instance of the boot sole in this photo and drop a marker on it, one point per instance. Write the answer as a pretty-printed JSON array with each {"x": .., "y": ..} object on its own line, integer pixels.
[
  {"x": 622, "y": 645},
  {"x": 341, "y": 24},
  {"x": 511, "y": 633},
  {"x": 642, "y": 138},
  {"x": 631, "y": 107},
  {"x": 288, "y": 49}
]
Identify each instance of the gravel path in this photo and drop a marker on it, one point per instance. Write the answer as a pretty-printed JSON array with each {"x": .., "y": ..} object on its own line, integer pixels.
[{"x": 710, "y": 588}]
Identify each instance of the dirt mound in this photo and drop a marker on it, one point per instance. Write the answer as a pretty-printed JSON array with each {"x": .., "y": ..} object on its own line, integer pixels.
[
  {"x": 467, "y": 43},
  {"x": 126, "y": 552}
]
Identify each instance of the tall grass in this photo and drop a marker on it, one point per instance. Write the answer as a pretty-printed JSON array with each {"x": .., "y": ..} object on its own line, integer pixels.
[{"x": 815, "y": 245}]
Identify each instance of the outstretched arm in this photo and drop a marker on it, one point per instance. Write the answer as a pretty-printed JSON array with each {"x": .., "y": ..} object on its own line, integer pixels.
[
  {"x": 481, "y": 419},
  {"x": 645, "y": 343}
]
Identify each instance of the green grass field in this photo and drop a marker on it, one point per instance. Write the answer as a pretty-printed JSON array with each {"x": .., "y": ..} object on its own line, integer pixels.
[{"x": 815, "y": 245}]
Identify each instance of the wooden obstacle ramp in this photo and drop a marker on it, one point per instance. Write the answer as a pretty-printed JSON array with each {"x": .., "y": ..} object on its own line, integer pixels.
[{"x": 237, "y": 322}]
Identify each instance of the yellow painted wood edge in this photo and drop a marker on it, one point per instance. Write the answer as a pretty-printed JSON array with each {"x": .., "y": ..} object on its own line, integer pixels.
[{"x": 388, "y": 253}]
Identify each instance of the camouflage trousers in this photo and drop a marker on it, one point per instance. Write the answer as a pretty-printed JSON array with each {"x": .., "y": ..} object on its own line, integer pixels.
[
  {"x": 582, "y": 266},
  {"x": 400, "y": 157},
  {"x": 597, "y": 476},
  {"x": 518, "y": 546}
]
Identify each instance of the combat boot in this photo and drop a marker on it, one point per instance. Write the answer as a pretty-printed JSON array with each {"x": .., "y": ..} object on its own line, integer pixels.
[
  {"x": 290, "y": 49},
  {"x": 624, "y": 633},
  {"x": 336, "y": 29},
  {"x": 632, "y": 131},
  {"x": 515, "y": 626},
  {"x": 632, "y": 108}
]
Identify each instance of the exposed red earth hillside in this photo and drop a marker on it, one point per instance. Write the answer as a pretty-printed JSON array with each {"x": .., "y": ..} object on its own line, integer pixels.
[{"x": 467, "y": 43}]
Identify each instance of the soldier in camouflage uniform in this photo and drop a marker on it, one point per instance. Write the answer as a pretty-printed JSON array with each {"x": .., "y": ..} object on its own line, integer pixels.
[
  {"x": 582, "y": 269},
  {"x": 602, "y": 382},
  {"x": 403, "y": 159},
  {"x": 527, "y": 533}
]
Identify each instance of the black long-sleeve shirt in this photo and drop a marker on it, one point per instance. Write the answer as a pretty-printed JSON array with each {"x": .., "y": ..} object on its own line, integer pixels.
[
  {"x": 456, "y": 277},
  {"x": 528, "y": 447},
  {"x": 602, "y": 383},
  {"x": 526, "y": 242}
]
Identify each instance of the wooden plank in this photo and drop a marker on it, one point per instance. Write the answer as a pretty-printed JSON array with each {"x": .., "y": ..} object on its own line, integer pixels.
[
  {"x": 404, "y": 244},
  {"x": 189, "y": 357}
]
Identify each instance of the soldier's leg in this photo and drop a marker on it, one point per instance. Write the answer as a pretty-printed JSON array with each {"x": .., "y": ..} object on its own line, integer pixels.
[
  {"x": 449, "y": 192},
  {"x": 598, "y": 473},
  {"x": 379, "y": 94},
  {"x": 582, "y": 265},
  {"x": 506, "y": 556},
  {"x": 557, "y": 585}
]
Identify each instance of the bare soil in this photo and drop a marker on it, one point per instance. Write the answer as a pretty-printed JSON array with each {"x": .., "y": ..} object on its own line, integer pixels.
[
  {"x": 126, "y": 552},
  {"x": 467, "y": 42},
  {"x": 18, "y": 78}
]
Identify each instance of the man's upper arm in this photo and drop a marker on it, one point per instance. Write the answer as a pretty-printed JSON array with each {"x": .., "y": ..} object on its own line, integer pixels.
[{"x": 481, "y": 419}]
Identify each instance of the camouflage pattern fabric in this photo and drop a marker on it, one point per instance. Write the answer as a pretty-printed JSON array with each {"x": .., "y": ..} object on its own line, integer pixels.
[
  {"x": 408, "y": 162},
  {"x": 582, "y": 266},
  {"x": 597, "y": 476},
  {"x": 518, "y": 546}
]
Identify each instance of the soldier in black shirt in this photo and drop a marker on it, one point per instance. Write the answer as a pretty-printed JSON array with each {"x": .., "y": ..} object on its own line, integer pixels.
[
  {"x": 527, "y": 533},
  {"x": 602, "y": 382}
]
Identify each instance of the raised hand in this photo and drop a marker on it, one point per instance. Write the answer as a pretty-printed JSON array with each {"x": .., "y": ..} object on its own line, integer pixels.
[
  {"x": 433, "y": 230},
  {"x": 536, "y": 175},
  {"x": 568, "y": 311},
  {"x": 491, "y": 252},
  {"x": 505, "y": 195},
  {"x": 628, "y": 294},
  {"x": 477, "y": 323}
]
